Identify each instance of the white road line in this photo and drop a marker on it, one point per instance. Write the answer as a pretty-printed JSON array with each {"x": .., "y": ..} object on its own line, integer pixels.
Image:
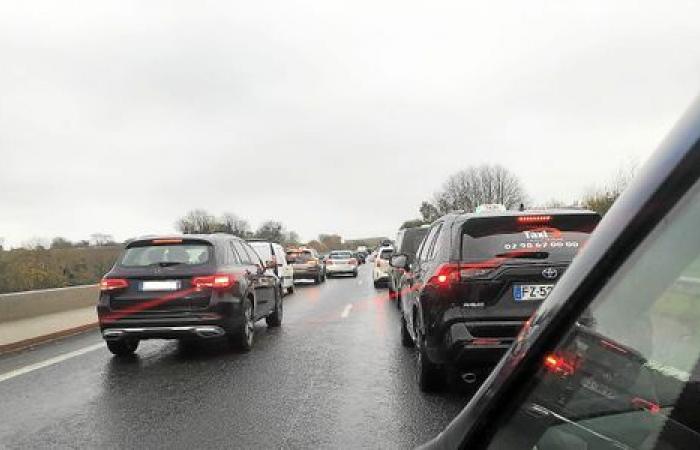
[
  {"x": 50, "y": 362},
  {"x": 346, "y": 311}
]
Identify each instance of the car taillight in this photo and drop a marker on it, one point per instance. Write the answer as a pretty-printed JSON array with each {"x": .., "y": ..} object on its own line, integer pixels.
[
  {"x": 451, "y": 272},
  {"x": 445, "y": 274},
  {"x": 475, "y": 270},
  {"x": 534, "y": 219},
  {"x": 218, "y": 281},
  {"x": 353, "y": 261},
  {"x": 313, "y": 262},
  {"x": 113, "y": 284},
  {"x": 559, "y": 365}
]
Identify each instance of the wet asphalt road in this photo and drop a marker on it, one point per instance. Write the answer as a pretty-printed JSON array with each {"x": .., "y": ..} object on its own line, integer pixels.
[{"x": 320, "y": 381}]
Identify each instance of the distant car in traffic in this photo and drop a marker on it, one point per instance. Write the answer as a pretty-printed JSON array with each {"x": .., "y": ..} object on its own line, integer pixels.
[
  {"x": 307, "y": 264},
  {"x": 475, "y": 281},
  {"x": 341, "y": 262},
  {"x": 380, "y": 271},
  {"x": 273, "y": 255},
  {"x": 611, "y": 359},
  {"x": 186, "y": 287},
  {"x": 407, "y": 242},
  {"x": 360, "y": 256}
]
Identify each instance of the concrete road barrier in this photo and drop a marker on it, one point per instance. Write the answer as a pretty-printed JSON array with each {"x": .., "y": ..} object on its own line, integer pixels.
[{"x": 24, "y": 305}]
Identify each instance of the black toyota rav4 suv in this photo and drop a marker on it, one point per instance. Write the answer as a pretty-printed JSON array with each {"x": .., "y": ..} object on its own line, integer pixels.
[
  {"x": 186, "y": 287},
  {"x": 476, "y": 279}
]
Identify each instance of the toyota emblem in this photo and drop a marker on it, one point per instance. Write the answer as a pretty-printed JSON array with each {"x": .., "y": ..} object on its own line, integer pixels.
[{"x": 550, "y": 273}]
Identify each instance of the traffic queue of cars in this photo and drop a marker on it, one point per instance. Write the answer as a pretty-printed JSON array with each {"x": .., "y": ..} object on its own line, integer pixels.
[{"x": 592, "y": 349}]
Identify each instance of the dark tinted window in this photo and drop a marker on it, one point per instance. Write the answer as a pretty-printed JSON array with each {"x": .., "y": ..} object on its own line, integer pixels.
[
  {"x": 546, "y": 236},
  {"x": 146, "y": 254},
  {"x": 411, "y": 240},
  {"x": 386, "y": 253},
  {"x": 341, "y": 255}
]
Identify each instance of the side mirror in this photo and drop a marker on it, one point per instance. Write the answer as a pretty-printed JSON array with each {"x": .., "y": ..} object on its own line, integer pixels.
[{"x": 399, "y": 261}]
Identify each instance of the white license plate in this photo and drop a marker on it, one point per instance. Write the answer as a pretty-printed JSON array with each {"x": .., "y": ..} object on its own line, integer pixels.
[
  {"x": 522, "y": 292},
  {"x": 169, "y": 285}
]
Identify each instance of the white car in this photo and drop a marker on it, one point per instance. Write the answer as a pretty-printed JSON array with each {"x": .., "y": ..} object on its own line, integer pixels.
[
  {"x": 341, "y": 261},
  {"x": 381, "y": 270},
  {"x": 270, "y": 251}
]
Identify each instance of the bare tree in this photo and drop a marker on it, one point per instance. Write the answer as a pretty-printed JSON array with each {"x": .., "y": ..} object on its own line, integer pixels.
[
  {"x": 272, "y": 231},
  {"x": 471, "y": 187},
  {"x": 602, "y": 198},
  {"x": 231, "y": 223},
  {"x": 197, "y": 221},
  {"x": 99, "y": 239}
]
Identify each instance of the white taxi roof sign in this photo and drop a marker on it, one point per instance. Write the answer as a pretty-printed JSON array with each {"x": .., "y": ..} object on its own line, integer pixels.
[{"x": 490, "y": 207}]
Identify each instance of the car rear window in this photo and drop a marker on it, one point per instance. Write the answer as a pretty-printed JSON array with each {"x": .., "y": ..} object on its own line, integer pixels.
[
  {"x": 552, "y": 237},
  {"x": 149, "y": 254},
  {"x": 412, "y": 239},
  {"x": 299, "y": 257},
  {"x": 386, "y": 254},
  {"x": 341, "y": 255}
]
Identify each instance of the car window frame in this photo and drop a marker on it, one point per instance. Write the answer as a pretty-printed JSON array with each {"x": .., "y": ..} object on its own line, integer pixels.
[{"x": 645, "y": 207}]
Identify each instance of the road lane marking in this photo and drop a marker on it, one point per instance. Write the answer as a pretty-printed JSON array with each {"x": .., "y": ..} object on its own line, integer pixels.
[
  {"x": 346, "y": 311},
  {"x": 50, "y": 362}
]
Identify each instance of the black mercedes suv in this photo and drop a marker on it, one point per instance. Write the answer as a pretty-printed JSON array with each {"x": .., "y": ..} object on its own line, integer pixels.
[
  {"x": 476, "y": 279},
  {"x": 186, "y": 287}
]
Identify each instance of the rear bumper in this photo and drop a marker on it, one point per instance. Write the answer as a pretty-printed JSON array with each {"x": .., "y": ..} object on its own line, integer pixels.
[
  {"x": 163, "y": 332},
  {"x": 476, "y": 343},
  {"x": 380, "y": 274},
  {"x": 306, "y": 273},
  {"x": 117, "y": 325},
  {"x": 341, "y": 268}
]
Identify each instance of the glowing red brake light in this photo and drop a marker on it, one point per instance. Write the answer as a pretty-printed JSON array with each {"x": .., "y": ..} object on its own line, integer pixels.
[
  {"x": 445, "y": 274},
  {"x": 166, "y": 241},
  {"x": 534, "y": 219},
  {"x": 113, "y": 284},
  {"x": 559, "y": 365},
  {"x": 218, "y": 281}
]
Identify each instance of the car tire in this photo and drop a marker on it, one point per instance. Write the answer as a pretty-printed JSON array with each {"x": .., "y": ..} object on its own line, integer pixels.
[
  {"x": 123, "y": 347},
  {"x": 317, "y": 280},
  {"x": 406, "y": 339},
  {"x": 290, "y": 289},
  {"x": 274, "y": 320},
  {"x": 354, "y": 274},
  {"x": 242, "y": 338},
  {"x": 429, "y": 375}
]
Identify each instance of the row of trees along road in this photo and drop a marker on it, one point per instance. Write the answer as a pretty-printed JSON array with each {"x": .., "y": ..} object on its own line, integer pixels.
[{"x": 473, "y": 186}]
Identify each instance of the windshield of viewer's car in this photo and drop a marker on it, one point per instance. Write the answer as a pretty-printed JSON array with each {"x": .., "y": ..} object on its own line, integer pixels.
[
  {"x": 200, "y": 202},
  {"x": 543, "y": 236}
]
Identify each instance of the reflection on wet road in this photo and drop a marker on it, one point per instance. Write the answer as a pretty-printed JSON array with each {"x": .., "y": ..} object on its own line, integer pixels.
[{"x": 334, "y": 376}]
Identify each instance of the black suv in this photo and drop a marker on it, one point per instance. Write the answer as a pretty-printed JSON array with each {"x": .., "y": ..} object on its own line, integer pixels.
[
  {"x": 476, "y": 279},
  {"x": 407, "y": 242},
  {"x": 186, "y": 287}
]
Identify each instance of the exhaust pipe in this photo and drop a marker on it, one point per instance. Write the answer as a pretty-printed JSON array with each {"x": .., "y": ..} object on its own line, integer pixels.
[
  {"x": 469, "y": 377},
  {"x": 207, "y": 332}
]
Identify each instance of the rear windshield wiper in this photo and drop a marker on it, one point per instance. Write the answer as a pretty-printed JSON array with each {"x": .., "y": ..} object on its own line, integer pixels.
[{"x": 525, "y": 255}]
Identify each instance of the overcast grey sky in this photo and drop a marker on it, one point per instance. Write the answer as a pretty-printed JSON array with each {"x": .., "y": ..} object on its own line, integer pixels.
[{"x": 120, "y": 116}]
